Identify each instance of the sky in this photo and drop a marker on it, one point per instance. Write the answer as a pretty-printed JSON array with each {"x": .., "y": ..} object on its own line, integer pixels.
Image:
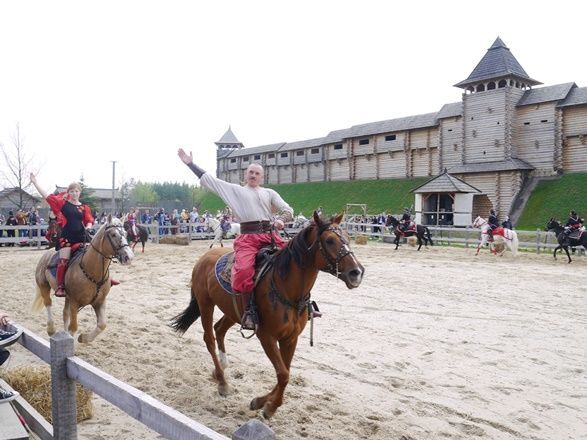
[{"x": 89, "y": 83}]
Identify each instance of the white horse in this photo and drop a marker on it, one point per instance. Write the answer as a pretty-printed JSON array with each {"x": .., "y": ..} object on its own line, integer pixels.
[
  {"x": 300, "y": 222},
  {"x": 507, "y": 235},
  {"x": 214, "y": 224}
]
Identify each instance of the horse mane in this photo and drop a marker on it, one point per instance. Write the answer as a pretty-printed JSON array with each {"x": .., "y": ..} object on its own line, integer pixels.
[{"x": 298, "y": 249}]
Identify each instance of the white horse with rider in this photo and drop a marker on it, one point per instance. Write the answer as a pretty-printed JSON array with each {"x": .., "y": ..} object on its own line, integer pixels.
[
  {"x": 500, "y": 234},
  {"x": 220, "y": 233}
]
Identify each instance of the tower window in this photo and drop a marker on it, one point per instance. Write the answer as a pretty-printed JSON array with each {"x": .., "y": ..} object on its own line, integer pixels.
[
  {"x": 271, "y": 156},
  {"x": 338, "y": 146},
  {"x": 233, "y": 160},
  {"x": 283, "y": 155},
  {"x": 491, "y": 86},
  {"x": 390, "y": 137},
  {"x": 314, "y": 151},
  {"x": 502, "y": 84},
  {"x": 299, "y": 153},
  {"x": 364, "y": 142},
  {"x": 245, "y": 158},
  {"x": 257, "y": 157},
  {"x": 481, "y": 88}
]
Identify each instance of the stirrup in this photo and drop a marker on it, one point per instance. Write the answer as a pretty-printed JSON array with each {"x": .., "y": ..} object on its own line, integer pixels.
[{"x": 252, "y": 325}]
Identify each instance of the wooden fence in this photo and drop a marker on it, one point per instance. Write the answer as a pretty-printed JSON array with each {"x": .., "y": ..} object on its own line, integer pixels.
[
  {"x": 67, "y": 369},
  {"x": 537, "y": 241}
]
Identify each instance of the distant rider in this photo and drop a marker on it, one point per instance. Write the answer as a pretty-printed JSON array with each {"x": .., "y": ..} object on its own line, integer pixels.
[
  {"x": 406, "y": 220},
  {"x": 493, "y": 222},
  {"x": 573, "y": 223}
]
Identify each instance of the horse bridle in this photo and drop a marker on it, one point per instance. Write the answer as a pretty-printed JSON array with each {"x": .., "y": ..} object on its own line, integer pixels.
[
  {"x": 345, "y": 250},
  {"x": 115, "y": 249}
]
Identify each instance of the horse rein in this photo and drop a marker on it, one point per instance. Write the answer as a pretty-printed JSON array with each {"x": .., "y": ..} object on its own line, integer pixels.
[
  {"x": 344, "y": 251},
  {"x": 105, "y": 269}
]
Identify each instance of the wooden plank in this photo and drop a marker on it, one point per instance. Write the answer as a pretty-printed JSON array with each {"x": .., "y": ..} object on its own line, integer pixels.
[{"x": 161, "y": 418}]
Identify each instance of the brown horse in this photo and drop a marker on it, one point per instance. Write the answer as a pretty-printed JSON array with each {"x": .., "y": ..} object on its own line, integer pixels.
[
  {"x": 282, "y": 298},
  {"x": 87, "y": 280}
]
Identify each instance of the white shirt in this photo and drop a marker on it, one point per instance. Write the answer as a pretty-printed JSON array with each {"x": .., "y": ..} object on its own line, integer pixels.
[{"x": 248, "y": 204}]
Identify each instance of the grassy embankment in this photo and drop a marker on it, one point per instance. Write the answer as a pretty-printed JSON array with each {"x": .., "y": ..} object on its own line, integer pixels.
[{"x": 554, "y": 198}]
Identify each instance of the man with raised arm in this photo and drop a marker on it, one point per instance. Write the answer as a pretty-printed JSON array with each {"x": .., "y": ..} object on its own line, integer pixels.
[{"x": 260, "y": 211}]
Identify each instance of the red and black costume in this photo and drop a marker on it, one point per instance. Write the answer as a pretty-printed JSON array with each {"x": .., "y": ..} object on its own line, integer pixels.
[{"x": 71, "y": 218}]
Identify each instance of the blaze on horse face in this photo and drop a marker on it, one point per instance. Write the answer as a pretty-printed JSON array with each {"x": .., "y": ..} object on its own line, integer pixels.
[
  {"x": 335, "y": 251},
  {"x": 116, "y": 237}
]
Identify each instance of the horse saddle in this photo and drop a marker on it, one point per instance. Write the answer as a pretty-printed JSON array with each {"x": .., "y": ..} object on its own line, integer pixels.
[
  {"x": 576, "y": 234},
  {"x": 263, "y": 262},
  {"x": 52, "y": 267}
]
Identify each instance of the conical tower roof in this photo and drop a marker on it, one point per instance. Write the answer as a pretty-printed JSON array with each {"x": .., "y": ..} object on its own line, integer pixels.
[
  {"x": 498, "y": 62},
  {"x": 228, "y": 138}
]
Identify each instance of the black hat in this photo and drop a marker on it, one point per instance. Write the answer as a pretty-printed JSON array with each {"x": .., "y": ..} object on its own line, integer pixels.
[
  {"x": 573, "y": 212},
  {"x": 10, "y": 213}
]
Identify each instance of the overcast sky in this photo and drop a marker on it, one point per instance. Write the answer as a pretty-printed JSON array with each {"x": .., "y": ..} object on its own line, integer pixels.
[{"x": 131, "y": 81}]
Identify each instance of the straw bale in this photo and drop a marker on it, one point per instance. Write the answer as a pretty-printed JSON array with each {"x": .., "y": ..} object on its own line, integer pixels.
[
  {"x": 361, "y": 239},
  {"x": 181, "y": 239},
  {"x": 34, "y": 385},
  {"x": 413, "y": 240}
]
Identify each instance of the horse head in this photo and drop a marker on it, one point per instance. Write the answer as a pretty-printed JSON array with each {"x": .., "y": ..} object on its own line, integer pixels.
[
  {"x": 110, "y": 241},
  {"x": 391, "y": 221},
  {"x": 552, "y": 224},
  {"x": 335, "y": 255},
  {"x": 479, "y": 222}
]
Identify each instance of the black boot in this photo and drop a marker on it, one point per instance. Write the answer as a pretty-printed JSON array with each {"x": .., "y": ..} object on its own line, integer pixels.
[{"x": 249, "y": 319}]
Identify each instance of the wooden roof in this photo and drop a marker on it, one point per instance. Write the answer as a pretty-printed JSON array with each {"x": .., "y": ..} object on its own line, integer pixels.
[
  {"x": 486, "y": 167},
  {"x": 498, "y": 62},
  {"x": 445, "y": 183},
  {"x": 577, "y": 96},
  {"x": 546, "y": 94}
]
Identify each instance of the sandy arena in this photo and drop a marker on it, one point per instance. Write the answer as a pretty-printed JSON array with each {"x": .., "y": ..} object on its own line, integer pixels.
[{"x": 434, "y": 344}]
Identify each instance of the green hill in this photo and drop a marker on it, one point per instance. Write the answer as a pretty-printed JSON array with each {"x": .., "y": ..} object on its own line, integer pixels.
[
  {"x": 390, "y": 195},
  {"x": 555, "y": 198}
]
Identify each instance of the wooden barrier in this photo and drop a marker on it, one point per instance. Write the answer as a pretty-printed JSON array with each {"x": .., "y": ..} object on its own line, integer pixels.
[{"x": 67, "y": 369}]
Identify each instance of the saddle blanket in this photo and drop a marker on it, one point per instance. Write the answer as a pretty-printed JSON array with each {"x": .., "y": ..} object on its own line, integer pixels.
[{"x": 55, "y": 260}]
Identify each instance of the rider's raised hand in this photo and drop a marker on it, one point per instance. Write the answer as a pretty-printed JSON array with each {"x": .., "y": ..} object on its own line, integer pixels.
[{"x": 185, "y": 158}]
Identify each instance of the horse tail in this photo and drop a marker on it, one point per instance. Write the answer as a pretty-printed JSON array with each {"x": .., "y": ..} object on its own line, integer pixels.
[
  {"x": 38, "y": 303},
  {"x": 182, "y": 322},
  {"x": 514, "y": 243}
]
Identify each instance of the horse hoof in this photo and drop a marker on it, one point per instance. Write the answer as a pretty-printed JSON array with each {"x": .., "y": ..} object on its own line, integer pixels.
[
  {"x": 223, "y": 390},
  {"x": 254, "y": 405},
  {"x": 50, "y": 328}
]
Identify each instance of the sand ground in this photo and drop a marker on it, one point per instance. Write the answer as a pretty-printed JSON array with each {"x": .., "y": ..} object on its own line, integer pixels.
[{"x": 434, "y": 344}]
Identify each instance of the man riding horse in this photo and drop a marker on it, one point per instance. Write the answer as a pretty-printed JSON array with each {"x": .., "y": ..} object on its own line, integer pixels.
[
  {"x": 573, "y": 223},
  {"x": 406, "y": 221},
  {"x": 493, "y": 222}
]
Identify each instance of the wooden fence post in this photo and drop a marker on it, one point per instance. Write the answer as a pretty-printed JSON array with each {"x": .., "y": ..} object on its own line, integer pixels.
[{"x": 63, "y": 395}]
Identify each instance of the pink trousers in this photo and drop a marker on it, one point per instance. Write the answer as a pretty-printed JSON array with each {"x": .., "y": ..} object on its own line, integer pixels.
[{"x": 246, "y": 247}]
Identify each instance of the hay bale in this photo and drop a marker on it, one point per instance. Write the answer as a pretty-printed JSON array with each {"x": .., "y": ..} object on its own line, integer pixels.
[
  {"x": 361, "y": 239},
  {"x": 180, "y": 239},
  {"x": 34, "y": 385},
  {"x": 412, "y": 241}
]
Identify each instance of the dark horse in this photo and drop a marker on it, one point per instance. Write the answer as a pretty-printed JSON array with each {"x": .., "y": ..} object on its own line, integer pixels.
[
  {"x": 132, "y": 238},
  {"x": 565, "y": 241},
  {"x": 282, "y": 298},
  {"x": 421, "y": 232}
]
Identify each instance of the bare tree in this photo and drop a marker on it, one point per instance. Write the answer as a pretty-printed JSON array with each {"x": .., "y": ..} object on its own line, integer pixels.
[{"x": 16, "y": 170}]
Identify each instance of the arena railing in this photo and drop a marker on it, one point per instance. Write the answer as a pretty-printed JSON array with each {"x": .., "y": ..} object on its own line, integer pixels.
[{"x": 67, "y": 369}]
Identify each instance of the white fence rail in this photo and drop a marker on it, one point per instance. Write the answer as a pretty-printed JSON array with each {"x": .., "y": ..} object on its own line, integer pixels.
[{"x": 538, "y": 241}]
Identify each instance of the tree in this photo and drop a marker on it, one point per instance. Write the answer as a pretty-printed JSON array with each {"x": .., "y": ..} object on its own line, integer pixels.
[
  {"x": 144, "y": 195},
  {"x": 16, "y": 170},
  {"x": 87, "y": 195},
  {"x": 126, "y": 189}
]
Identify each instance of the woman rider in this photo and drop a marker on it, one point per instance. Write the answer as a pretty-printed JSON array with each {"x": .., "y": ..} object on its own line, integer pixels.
[{"x": 73, "y": 217}]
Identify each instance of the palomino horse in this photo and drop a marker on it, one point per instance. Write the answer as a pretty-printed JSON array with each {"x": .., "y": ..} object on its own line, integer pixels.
[
  {"x": 219, "y": 234},
  {"x": 143, "y": 235},
  {"x": 87, "y": 280},
  {"x": 578, "y": 238},
  {"x": 510, "y": 237},
  {"x": 421, "y": 232},
  {"x": 282, "y": 298}
]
